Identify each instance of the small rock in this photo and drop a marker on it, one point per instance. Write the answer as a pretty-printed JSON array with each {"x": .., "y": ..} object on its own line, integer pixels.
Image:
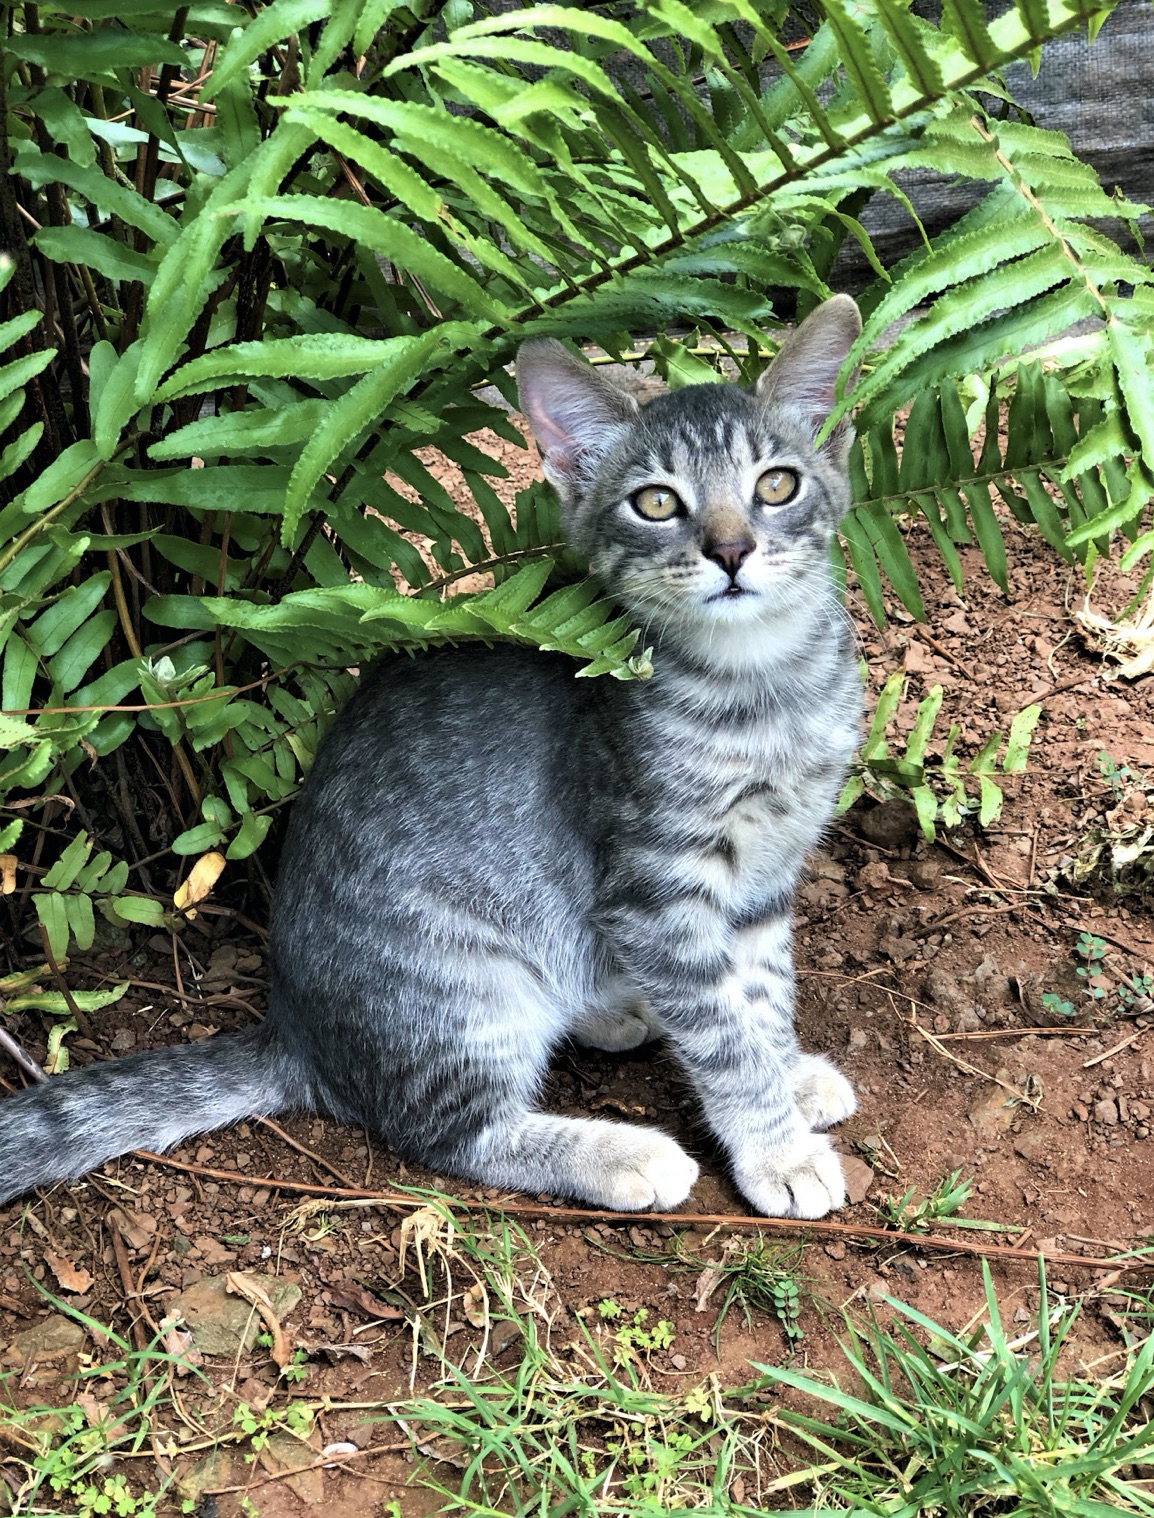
[
  {"x": 874, "y": 877},
  {"x": 53, "y": 1338},
  {"x": 858, "y": 1178},
  {"x": 1106, "y": 1112},
  {"x": 1123, "y": 1108},
  {"x": 945, "y": 990},
  {"x": 991, "y": 981},
  {"x": 993, "y": 1113},
  {"x": 678, "y": 1362},
  {"x": 890, "y": 824},
  {"x": 135, "y": 1228},
  {"x": 224, "y": 1324},
  {"x": 1081, "y": 1112},
  {"x": 1140, "y": 1111},
  {"x": 122, "y": 1040},
  {"x": 858, "y": 1038},
  {"x": 1034, "y": 1146},
  {"x": 926, "y": 874},
  {"x": 968, "y": 1021},
  {"x": 285, "y": 1452},
  {"x": 898, "y": 949},
  {"x": 836, "y": 1250},
  {"x": 212, "y": 1251}
]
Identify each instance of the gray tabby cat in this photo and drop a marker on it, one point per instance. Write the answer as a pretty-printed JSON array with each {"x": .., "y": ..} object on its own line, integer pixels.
[{"x": 490, "y": 856}]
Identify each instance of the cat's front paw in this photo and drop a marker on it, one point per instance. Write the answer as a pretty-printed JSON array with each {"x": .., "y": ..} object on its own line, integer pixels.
[
  {"x": 636, "y": 1168},
  {"x": 803, "y": 1181},
  {"x": 822, "y": 1093}
]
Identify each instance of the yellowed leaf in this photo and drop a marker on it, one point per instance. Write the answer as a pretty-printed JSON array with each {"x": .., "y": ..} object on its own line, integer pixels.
[
  {"x": 201, "y": 878},
  {"x": 252, "y": 1291},
  {"x": 71, "y": 1277},
  {"x": 475, "y": 1304},
  {"x": 7, "y": 874}
]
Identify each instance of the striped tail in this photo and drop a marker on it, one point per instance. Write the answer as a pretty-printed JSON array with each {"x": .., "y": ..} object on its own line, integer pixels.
[{"x": 72, "y": 1123}]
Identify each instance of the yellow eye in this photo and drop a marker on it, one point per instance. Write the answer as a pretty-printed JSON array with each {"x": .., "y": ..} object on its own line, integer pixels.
[
  {"x": 777, "y": 486},
  {"x": 656, "y": 504}
]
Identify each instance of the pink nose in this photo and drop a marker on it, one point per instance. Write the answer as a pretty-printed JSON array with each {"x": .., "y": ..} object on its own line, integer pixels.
[{"x": 731, "y": 556}]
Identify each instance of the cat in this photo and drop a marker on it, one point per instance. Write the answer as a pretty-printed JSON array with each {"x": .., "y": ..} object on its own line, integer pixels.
[{"x": 490, "y": 856}]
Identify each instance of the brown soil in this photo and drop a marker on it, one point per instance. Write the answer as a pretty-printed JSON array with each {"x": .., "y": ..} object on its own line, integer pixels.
[{"x": 962, "y": 937}]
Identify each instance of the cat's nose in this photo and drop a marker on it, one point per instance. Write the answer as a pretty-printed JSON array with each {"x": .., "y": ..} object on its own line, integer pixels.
[{"x": 731, "y": 556}]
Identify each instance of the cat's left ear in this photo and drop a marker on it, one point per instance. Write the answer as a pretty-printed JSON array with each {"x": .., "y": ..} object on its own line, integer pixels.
[
  {"x": 576, "y": 414},
  {"x": 802, "y": 379}
]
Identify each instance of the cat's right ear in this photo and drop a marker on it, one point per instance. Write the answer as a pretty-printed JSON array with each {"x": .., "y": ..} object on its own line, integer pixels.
[{"x": 576, "y": 415}]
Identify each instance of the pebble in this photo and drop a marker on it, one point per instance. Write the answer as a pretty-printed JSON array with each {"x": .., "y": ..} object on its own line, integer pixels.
[
  {"x": 836, "y": 1250},
  {"x": 1080, "y": 1112},
  {"x": 678, "y": 1362},
  {"x": 891, "y": 824},
  {"x": 1106, "y": 1112}
]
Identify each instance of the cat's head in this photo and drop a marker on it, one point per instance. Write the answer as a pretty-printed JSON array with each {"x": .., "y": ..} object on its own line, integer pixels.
[{"x": 708, "y": 505}]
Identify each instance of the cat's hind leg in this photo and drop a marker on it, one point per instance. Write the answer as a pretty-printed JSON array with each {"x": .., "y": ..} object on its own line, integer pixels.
[
  {"x": 618, "y": 1019},
  {"x": 823, "y": 1095},
  {"x": 451, "y": 1076}
]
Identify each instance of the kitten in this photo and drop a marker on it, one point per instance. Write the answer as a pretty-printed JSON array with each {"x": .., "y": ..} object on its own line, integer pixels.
[{"x": 490, "y": 856}]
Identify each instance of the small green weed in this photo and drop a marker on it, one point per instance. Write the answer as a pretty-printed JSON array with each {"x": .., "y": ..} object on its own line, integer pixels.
[
  {"x": 69, "y": 1448},
  {"x": 1091, "y": 951},
  {"x": 973, "y": 1426},
  {"x": 1107, "y": 984},
  {"x": 1058, "y": 1004},
  {"x": 755, "y": 1273},
  {"x": 907, "y": 1215},
  {"x": 633, "y": 1340},
  {"x": 257, "y": 1424}
]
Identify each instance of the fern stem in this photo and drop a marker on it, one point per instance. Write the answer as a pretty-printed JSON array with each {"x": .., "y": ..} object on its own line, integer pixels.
[{"x": 1039, "y": 210}]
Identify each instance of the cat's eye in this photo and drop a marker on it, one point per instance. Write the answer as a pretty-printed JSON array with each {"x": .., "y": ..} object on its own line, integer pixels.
[
  {"x": 656, "y": 503},
  {"x": 777, "y": 486}
]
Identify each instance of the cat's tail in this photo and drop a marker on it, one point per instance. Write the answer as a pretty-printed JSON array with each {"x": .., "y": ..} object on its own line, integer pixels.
[{"x": 72, "y": 1123}]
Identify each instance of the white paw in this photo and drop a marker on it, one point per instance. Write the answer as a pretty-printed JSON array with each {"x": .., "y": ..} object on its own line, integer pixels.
[
  {"x": 822, "y": 1093},
  {"x": 803, "y": 1181},
  {"x": 616, "y": 1030},
  {"x": 635, "y": 1168}
]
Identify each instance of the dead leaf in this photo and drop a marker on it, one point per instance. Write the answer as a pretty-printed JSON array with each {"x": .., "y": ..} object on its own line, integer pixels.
[
  {"x": 178, "y": 1343},
  {"x": 706, "y": 1284},
  {"x": 135, "y": 1228},
  {"x": 71, "y": 1277},
  {"x": 335, "y": 1352},
  {"x": 476, "y": 1305},
  {"x": 7, "y": 874},
  {"x": 201, "y": 878},
  {"x": 425, "y": 1229},
  {"x": 244, "y": 1286},
  {"x": 358, "y": 1299},
  {"x": 858, "y": 1178}
]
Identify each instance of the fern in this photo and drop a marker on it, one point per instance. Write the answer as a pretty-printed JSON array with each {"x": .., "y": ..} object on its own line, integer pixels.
[{"x": 263, "y": 257}]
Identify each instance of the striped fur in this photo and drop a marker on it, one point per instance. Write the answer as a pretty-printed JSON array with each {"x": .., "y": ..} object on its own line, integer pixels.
[{"x": 490, "y": 856}]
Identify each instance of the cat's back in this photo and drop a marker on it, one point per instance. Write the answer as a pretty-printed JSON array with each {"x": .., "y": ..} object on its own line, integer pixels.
[{"x": 453, "y": 769}]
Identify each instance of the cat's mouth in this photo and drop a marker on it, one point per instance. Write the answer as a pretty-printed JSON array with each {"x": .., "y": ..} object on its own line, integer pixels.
[{"x": 731, "y": 593}]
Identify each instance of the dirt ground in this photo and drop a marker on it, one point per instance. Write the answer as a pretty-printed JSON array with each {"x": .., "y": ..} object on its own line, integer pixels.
[{"x": 961, "y": 938}]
